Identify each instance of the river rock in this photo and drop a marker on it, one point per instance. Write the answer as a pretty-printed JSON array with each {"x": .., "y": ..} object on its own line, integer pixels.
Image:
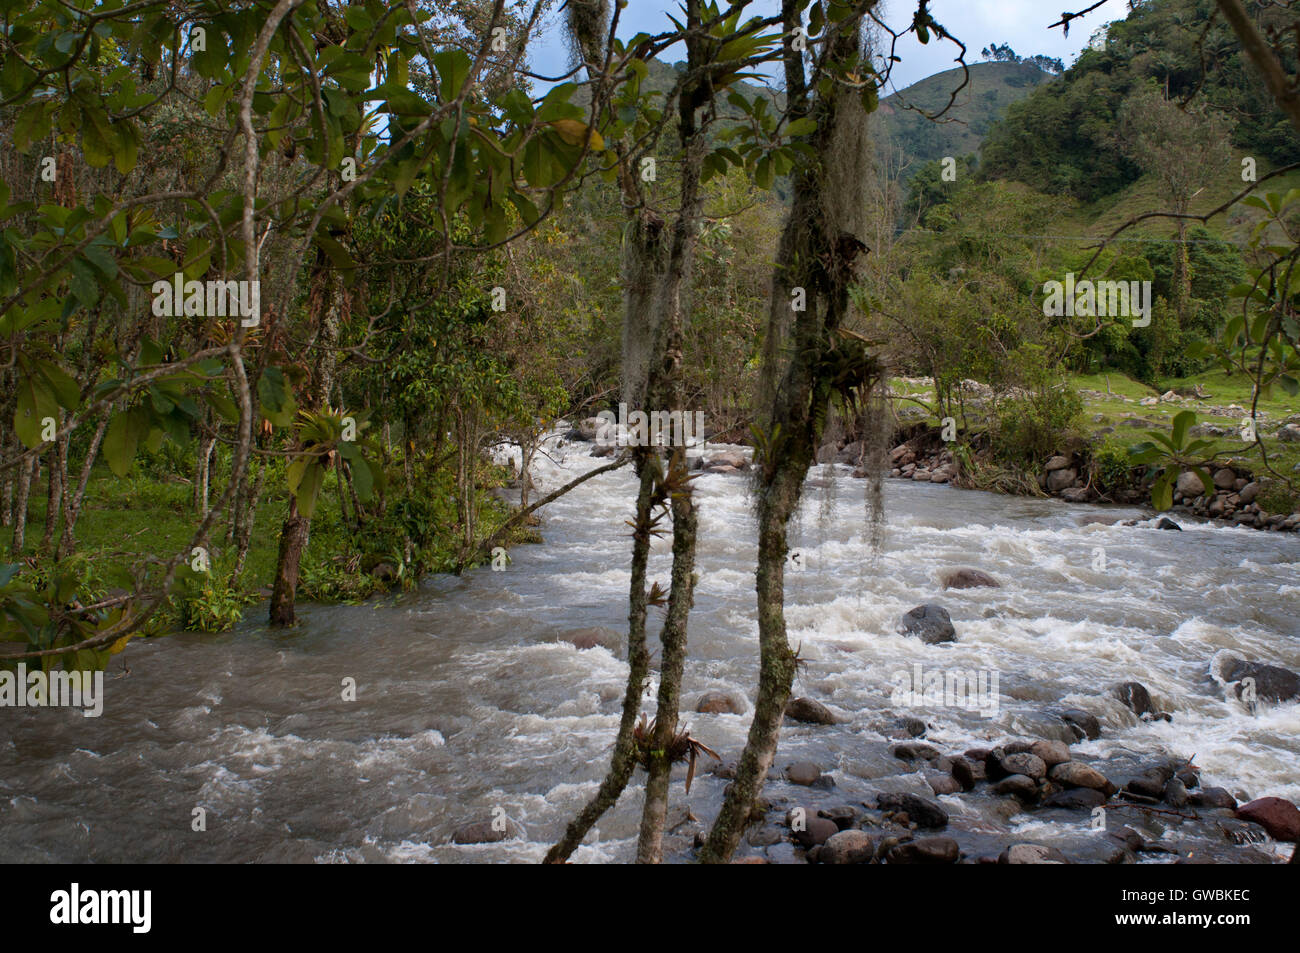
[
  {"x": 926, "y": 850},
  {"x": 1276, "y": 815},
  {"x": 1018, "y": 786},
  {"x": 1225, "y": 479},
  {"x": 942, "y": 783},
  {"x": 969, "y": 579},
  {"x": 487, "y": 832},
  {"x": 844, "y": 817},
  {"x": 1212, "y": 798},
  {"x": 1272, "y": 683},
  {"x": 809, "y": 711},
  {"x": 592, "y": 637},
  {"x": 1031, "y": 766},
  {"x": 719, "y": 703},
  {"x": 803, "y": 772},
  {"x": 1058, "y": 480},
  {"x": 963, "y": 772},
  {"x": 929, "y": 623},
  {"x": 813, "y": 831},
  {"x": 915, "y": 751},
  {"x": 923, "y": 811},
  {"x": 1076, "y": 799},
  {"x": 1135, "y": 697},
  {"x": 1075, "y": 774},
  {"x": 1057, "y": 462},
  {"x": 1189, "y": 485},
  {"x": 1083, "y": 723},
  {"x": 1167, "y": 523},
  {"x": 1051, "y": 753},
  {"x": 727, "y": 458},
  {"x": 848, "y": 847},
  {"x": 1175, "y": 793},
  {"x": 1031, "y": 854},
  {"x": 1248, "y": 492}
]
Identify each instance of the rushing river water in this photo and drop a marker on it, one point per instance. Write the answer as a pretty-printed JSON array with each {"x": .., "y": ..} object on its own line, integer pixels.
[{"x": 470, "y": 701}]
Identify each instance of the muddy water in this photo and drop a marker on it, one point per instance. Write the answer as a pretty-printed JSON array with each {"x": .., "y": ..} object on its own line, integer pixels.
[{"x": 469, "y": 700}]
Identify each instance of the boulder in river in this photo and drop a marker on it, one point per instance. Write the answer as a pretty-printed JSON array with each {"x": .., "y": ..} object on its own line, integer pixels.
[
  {"x": 1135, "y": 697},
  {"x": 969, "y": 579},
  {"x": 1052, "y": 753},
  {"x": 803, "y": 772},
  {"x": 809, "y": 831},
  {"x": 592, "y": 637},
  {"x": 848, "y": 847},
  {"x": 1075, "y": 774},
  {"x": 929, "y": 623},
  {"x": 1167, "y": 523},
  {"x": 1076, "y": 799},
  {"x": 719, "y": 703},
  {"x": 487, "y": 832},
  {"x": 809, "y": 711},
  {"x": 1276, "y": 815},
  {"x": 925, "y": 850},
  {"x": 925, "y": 812},
  {"x": 1084, "y": 724},
  {"x": 1031, "y": 854},
  {"x": 1271, "y": 682},
  {"x": 1212, "y": 798}
]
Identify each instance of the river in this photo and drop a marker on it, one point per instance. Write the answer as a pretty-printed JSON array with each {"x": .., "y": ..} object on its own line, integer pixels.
[{"x": 469, "y": 701}]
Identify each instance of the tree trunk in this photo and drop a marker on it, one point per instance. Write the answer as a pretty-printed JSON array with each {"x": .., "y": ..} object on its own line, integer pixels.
[
  {"x": 623, "y": 761},
  {"x": 72, "y": 504},
  {"x": 819, "y": 247},
  {"x": 293, "y": 540},
  {"x": 57, "y": 472},
  {"x": 25, "y": 471}
]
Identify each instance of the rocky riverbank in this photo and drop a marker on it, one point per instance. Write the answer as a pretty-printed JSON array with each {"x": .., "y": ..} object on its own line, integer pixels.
[{"x": 924, "y": 457}]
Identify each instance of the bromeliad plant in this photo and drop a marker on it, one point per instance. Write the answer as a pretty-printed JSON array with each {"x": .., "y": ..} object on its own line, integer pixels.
[{"x": 329, "y": 438}]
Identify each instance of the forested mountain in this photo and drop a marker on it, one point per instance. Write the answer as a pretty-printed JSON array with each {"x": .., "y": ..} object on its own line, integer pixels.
[
  {"x": 1067, "y": 136},
  {"x": 903, "y": 127}
]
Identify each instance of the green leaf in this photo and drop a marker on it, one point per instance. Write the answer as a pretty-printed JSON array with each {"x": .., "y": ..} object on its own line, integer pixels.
[{"x": 122, "y": 440}]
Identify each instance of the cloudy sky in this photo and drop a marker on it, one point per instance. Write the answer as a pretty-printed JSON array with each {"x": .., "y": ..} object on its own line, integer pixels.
[{"x": 978, "y": 23}]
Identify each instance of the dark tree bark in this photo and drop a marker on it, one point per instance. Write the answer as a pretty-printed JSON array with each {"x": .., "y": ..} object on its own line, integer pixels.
[{"x": 293, "y": 540}]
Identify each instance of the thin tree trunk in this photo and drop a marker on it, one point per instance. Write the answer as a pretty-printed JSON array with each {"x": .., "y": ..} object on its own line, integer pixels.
[
  {"x": 72, "y": 505},
  {"x": 57, "y": 474},
  {"x": 25, "y": 476},
  {"x": 293, "y": 540},
  {"x": 624, "y": 760},
  {"x": 244, "y": 531}
]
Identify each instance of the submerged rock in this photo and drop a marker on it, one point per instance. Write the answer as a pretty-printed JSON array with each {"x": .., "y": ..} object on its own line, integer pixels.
[
  {"x": 719, "y": 703},
  {"x": 487, "y": 832},
  {"x": 969, "y": 579}
]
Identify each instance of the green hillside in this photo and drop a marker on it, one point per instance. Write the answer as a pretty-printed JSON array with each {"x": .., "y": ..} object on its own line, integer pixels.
[{"x": 993, "y": 87}]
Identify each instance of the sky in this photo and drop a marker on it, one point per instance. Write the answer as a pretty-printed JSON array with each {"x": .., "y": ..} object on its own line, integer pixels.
[{"x": 977, "y": 23}]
